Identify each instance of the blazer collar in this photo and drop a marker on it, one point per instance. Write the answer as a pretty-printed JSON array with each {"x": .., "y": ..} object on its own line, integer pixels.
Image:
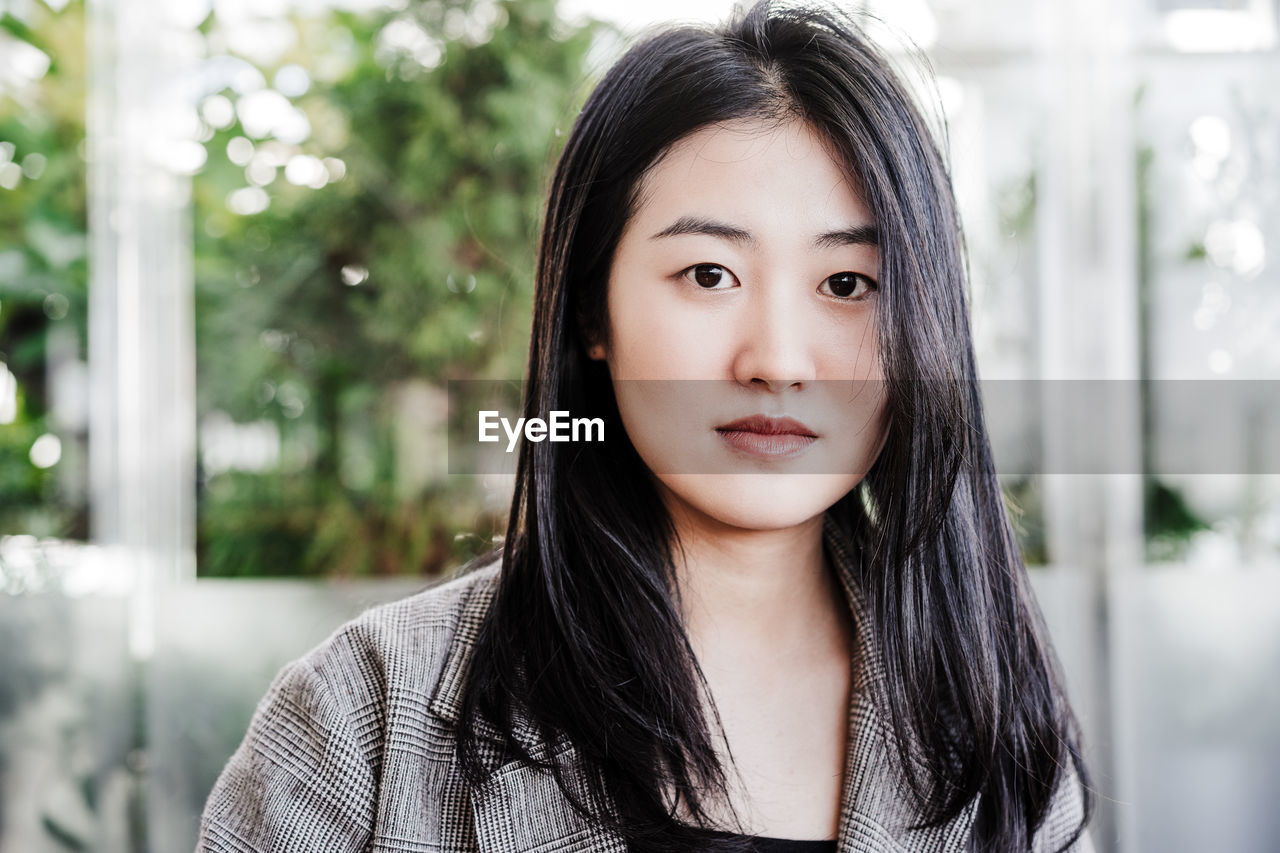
[{"x": 520, "y": 807}]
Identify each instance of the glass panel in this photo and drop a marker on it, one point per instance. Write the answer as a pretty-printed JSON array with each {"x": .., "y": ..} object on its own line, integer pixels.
[
  {"x": 1208, "y": 130},
  {"x": 219, "y": 644},
  {"x": 69, "y": 763},
  {"x": 1198, "y": 709}
]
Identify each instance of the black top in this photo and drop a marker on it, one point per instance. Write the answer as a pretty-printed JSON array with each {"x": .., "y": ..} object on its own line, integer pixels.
[
  {"x": 784, "y": 845},
  {"x": 761, "y": 844}
]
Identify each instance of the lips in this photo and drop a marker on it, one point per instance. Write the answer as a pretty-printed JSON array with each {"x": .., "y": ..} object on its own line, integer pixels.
[{"x": 767, "y": 438}]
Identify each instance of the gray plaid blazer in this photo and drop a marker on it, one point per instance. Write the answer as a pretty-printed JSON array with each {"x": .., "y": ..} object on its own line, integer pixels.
[{"x": 352, "y": 749}]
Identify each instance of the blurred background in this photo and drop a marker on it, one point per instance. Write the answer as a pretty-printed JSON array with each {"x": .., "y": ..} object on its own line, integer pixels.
[{"x": 245, "y": 245}]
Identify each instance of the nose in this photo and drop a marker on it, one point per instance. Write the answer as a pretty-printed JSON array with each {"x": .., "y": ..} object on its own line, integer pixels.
[{"x": 775, "y": 349}]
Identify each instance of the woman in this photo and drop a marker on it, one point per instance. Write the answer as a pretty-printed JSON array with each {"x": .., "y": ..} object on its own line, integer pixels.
[{"x": 781, "y": 608}]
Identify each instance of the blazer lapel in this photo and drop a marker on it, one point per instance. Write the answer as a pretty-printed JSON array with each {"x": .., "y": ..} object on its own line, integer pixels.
[
  {"x": 878, "y": 812},
  {"x": 522, "y": 808},
  {"x": 519, "y": 807}
]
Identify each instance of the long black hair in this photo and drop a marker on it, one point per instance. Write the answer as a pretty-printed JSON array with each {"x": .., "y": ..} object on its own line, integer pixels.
[{"x": 584, "y": 638}]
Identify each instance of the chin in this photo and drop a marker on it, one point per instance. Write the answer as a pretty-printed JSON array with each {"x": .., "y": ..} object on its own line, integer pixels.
[{"x": 757, "y": 501}]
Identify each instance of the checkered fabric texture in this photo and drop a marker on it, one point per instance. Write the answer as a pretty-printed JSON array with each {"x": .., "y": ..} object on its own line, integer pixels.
[{"x": 352, "y": 749}]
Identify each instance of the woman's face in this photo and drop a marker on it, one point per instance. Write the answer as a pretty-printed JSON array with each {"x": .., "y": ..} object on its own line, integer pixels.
[{"x": 741, "y": 335}]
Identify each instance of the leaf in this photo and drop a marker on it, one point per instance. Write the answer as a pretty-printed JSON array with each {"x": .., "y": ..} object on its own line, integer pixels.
[
  {"x": 59, "y": 248},
  {"x": 19, "y": 30},
  {"x": 63, "y": 836}
]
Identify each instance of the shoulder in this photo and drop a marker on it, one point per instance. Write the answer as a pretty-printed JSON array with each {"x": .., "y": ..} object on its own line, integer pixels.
[
  {"x": 434, "y": 614},
  {"x": 310, "y": 771},
  {"x": 411, "y": 644}
]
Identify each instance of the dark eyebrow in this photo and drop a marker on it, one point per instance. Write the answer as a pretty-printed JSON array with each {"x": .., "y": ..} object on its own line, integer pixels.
[
  {"x": 695, "y": 225},
  {"x": 859, "y": 235}
]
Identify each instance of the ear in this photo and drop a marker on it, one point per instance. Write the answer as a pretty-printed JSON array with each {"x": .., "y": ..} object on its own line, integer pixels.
[
  {"x": 593, "y": 340},
  {"x": 593, "y": 337}
]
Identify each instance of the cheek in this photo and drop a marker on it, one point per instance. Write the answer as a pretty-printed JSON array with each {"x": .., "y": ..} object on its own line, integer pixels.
[
  {"x": 849, "y": 348},
  {"x": 655, "y": 334},
  {"x": 877, "y": 433},
  {"x": 668, "y": 421}
]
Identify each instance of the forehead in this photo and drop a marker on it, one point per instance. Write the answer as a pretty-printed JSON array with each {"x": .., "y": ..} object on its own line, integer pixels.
[{"x": 778, "y": 176}]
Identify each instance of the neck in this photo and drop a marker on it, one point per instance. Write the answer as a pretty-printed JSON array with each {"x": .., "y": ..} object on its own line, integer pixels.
[{"x": 755, "y": 598}]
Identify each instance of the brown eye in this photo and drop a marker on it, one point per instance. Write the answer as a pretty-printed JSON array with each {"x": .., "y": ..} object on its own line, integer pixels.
[
  {"x": 847, "y": 285},
  {"x": 709, "y": 276}
]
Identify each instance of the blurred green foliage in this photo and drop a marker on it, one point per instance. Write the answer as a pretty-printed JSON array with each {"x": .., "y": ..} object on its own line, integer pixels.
[
  {"x": 43, "y": 269},
  {"x": 382, "y": 251},
  {"x": 1024, "y": 503},
  {"x": 416, "y": 265}
]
